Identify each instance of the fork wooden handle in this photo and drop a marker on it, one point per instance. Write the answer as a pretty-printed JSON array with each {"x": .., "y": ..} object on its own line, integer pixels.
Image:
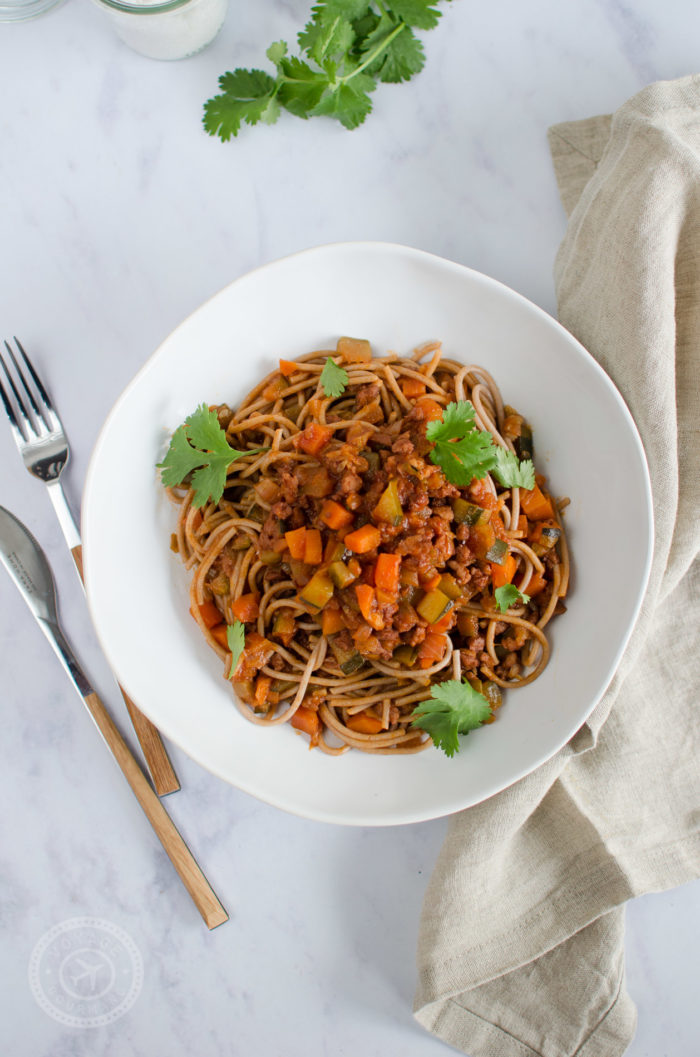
[
  {"x": 181, "y": 857},
  {"x": 164, "y": 778}
]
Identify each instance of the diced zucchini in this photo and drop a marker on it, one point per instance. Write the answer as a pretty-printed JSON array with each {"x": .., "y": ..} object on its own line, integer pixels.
[
  {"x": 405, "y": 656},
  {"x": 335, "y": 552},
  {"x": 449, "y": 586},
  {"x": 348, "y": 659},
  {"x": 240, "y": 543},
  {"x": 270, "y": 557},
  {"x": 497, "y": 552},
  {"x": 524, "y": 447},
  {"x": 318, "y": 591},
  {"x": 389, "y": 507},
  {"x": 283, "y": 625},
  {"x": 467, "y": 513},
  {"x": 372, "y": 459},
  {"x": 434, "y": 605},
  {"x": 340, "y": 574},
  {"x": 220, "y": 585}
]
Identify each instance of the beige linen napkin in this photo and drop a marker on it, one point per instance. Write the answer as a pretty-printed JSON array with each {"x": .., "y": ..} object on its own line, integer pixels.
[{"x": 521, "y": 948}]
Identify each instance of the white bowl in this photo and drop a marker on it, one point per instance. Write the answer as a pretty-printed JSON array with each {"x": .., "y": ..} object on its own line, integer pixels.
[{"x": 585, "y": 441}]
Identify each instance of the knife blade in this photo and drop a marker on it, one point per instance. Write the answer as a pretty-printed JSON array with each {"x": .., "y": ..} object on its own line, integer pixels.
[{"x": 28, "y": 566}]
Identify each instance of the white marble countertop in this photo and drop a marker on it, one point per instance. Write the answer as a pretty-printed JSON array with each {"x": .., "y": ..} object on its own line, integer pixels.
[{"x": 119, "y": 217}]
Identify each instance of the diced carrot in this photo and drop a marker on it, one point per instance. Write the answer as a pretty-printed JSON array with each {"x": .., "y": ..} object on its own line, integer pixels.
[
  {"x": 296, "y": 541},
  {"x": 430, "y": 408},
  {"x": 354, "y": 350},
  {"x": 432, "y": 649},
  {"x": 363, "y": 539},
  {"x": 503, "y": 574},
  {"x": 367, "y": 573},
  {"x": 262, "y": 688},
  {"x": 367, "y": 601},
  {"x": 354, "y": 566},
  {"x": 219, "y": 631},
  {"x": 246, "y": 608},
  {"x": 444, "y": 623},
  {"x": 412, "y": 387},
  {"x": 287, "y": 368},
  {"x": 537, "y": 584},
  {"x": 312, "y": 439},
  {"x": 313, "y": 547},
  {"x": 536, "y": 504},
  {"x": 363, "y": 723},
  {"x": 274, "y": 388},
  {"x": 431, "y": 581},
  {"x": 319, "y": 484},
  {"x": 209, "y": 613},
  {"x": 386, "y": 573},
  {"x": 307, "y": 720},
  {"x": 332, "y": 621},
  {"x": 334, "y": 515}
]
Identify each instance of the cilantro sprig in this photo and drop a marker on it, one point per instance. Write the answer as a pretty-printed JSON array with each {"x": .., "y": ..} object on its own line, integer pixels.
[
  {"x": 333, "y": 378},
  {"x": 463, "y": 452},
  {"x": 454, "y": 708},
  {"x": 199, "y": 447},
  {"x": 507, "y": 596},
  {"x": 235, "y": 636},
  {"x": 347, "y": 47}
]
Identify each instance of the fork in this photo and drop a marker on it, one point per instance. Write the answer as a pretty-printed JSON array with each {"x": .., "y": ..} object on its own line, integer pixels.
[{"x": 43, "y": 445}]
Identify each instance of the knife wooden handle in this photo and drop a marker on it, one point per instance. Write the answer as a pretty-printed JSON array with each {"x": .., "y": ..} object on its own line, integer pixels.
[
  {"x": 164, "y": 778},
  {"x": 181, "y": 857}
]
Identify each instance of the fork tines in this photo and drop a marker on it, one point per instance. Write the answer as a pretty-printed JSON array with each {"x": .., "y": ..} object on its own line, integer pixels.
[{"x": 42, "y": 417}]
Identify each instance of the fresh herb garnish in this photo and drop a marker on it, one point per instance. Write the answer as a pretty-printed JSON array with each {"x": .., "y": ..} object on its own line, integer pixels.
[
  {"x": 512, "y": 473},
  {"x": 455, "y": 708},
  {"x": 333, "y": 378},
  {"x": 461, "y": 450},
  {"x": 464, "y": 452},
  {"x": 348, "y": 45},
  {"x": 200, "y": 445},
  {"x": 508, "y": 595},
  {"x": 235, "y": 636}
]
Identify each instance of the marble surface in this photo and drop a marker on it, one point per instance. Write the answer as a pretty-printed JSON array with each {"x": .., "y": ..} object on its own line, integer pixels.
[{"x": 120, "y": 216}]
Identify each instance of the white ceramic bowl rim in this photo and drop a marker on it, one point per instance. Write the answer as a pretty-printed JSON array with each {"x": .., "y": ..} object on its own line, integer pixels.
[{"x": 549, "y": 376}]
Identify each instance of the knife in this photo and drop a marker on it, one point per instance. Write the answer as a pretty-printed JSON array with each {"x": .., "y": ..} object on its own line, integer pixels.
[{"x": 29, "y": 568}]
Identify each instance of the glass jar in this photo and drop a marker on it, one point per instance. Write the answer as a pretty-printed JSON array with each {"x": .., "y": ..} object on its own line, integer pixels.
[
  {"x": 174, "y": 29},
  {"x": 21, "y": 10}
]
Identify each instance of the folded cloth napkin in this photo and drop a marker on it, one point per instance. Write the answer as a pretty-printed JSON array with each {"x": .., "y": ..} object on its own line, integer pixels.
[{"x": 521, "y": 946}]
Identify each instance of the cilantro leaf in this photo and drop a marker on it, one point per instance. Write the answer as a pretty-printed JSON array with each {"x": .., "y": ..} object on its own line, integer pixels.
[
  {"x": 418, "y": 13},
  {"x": 328, "y": 33},
  {"x": 455, "y": 708},
  {"x": 235, "y": 636},
  {"x": 301, "y": 86},
  {"x": 512, "y": 473},
  {"x": 461, "y": 450},
  {"x": 247, "y": 95},
  {"x": 403, "y": 58},
  {"x": 346, "y": 46},
  {"x": 199, "y": 447},
  {"x": 348, "y": 101},
  {"x": 508, "y": 595},
  {"x": 333, "y": 378}
]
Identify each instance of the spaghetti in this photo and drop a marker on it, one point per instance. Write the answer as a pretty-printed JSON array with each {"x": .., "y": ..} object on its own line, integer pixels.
[{"x": 362, "y": 575}]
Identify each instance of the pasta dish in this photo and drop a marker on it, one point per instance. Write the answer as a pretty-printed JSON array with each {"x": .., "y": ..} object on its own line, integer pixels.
[{"x": 374, "y": 557}]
